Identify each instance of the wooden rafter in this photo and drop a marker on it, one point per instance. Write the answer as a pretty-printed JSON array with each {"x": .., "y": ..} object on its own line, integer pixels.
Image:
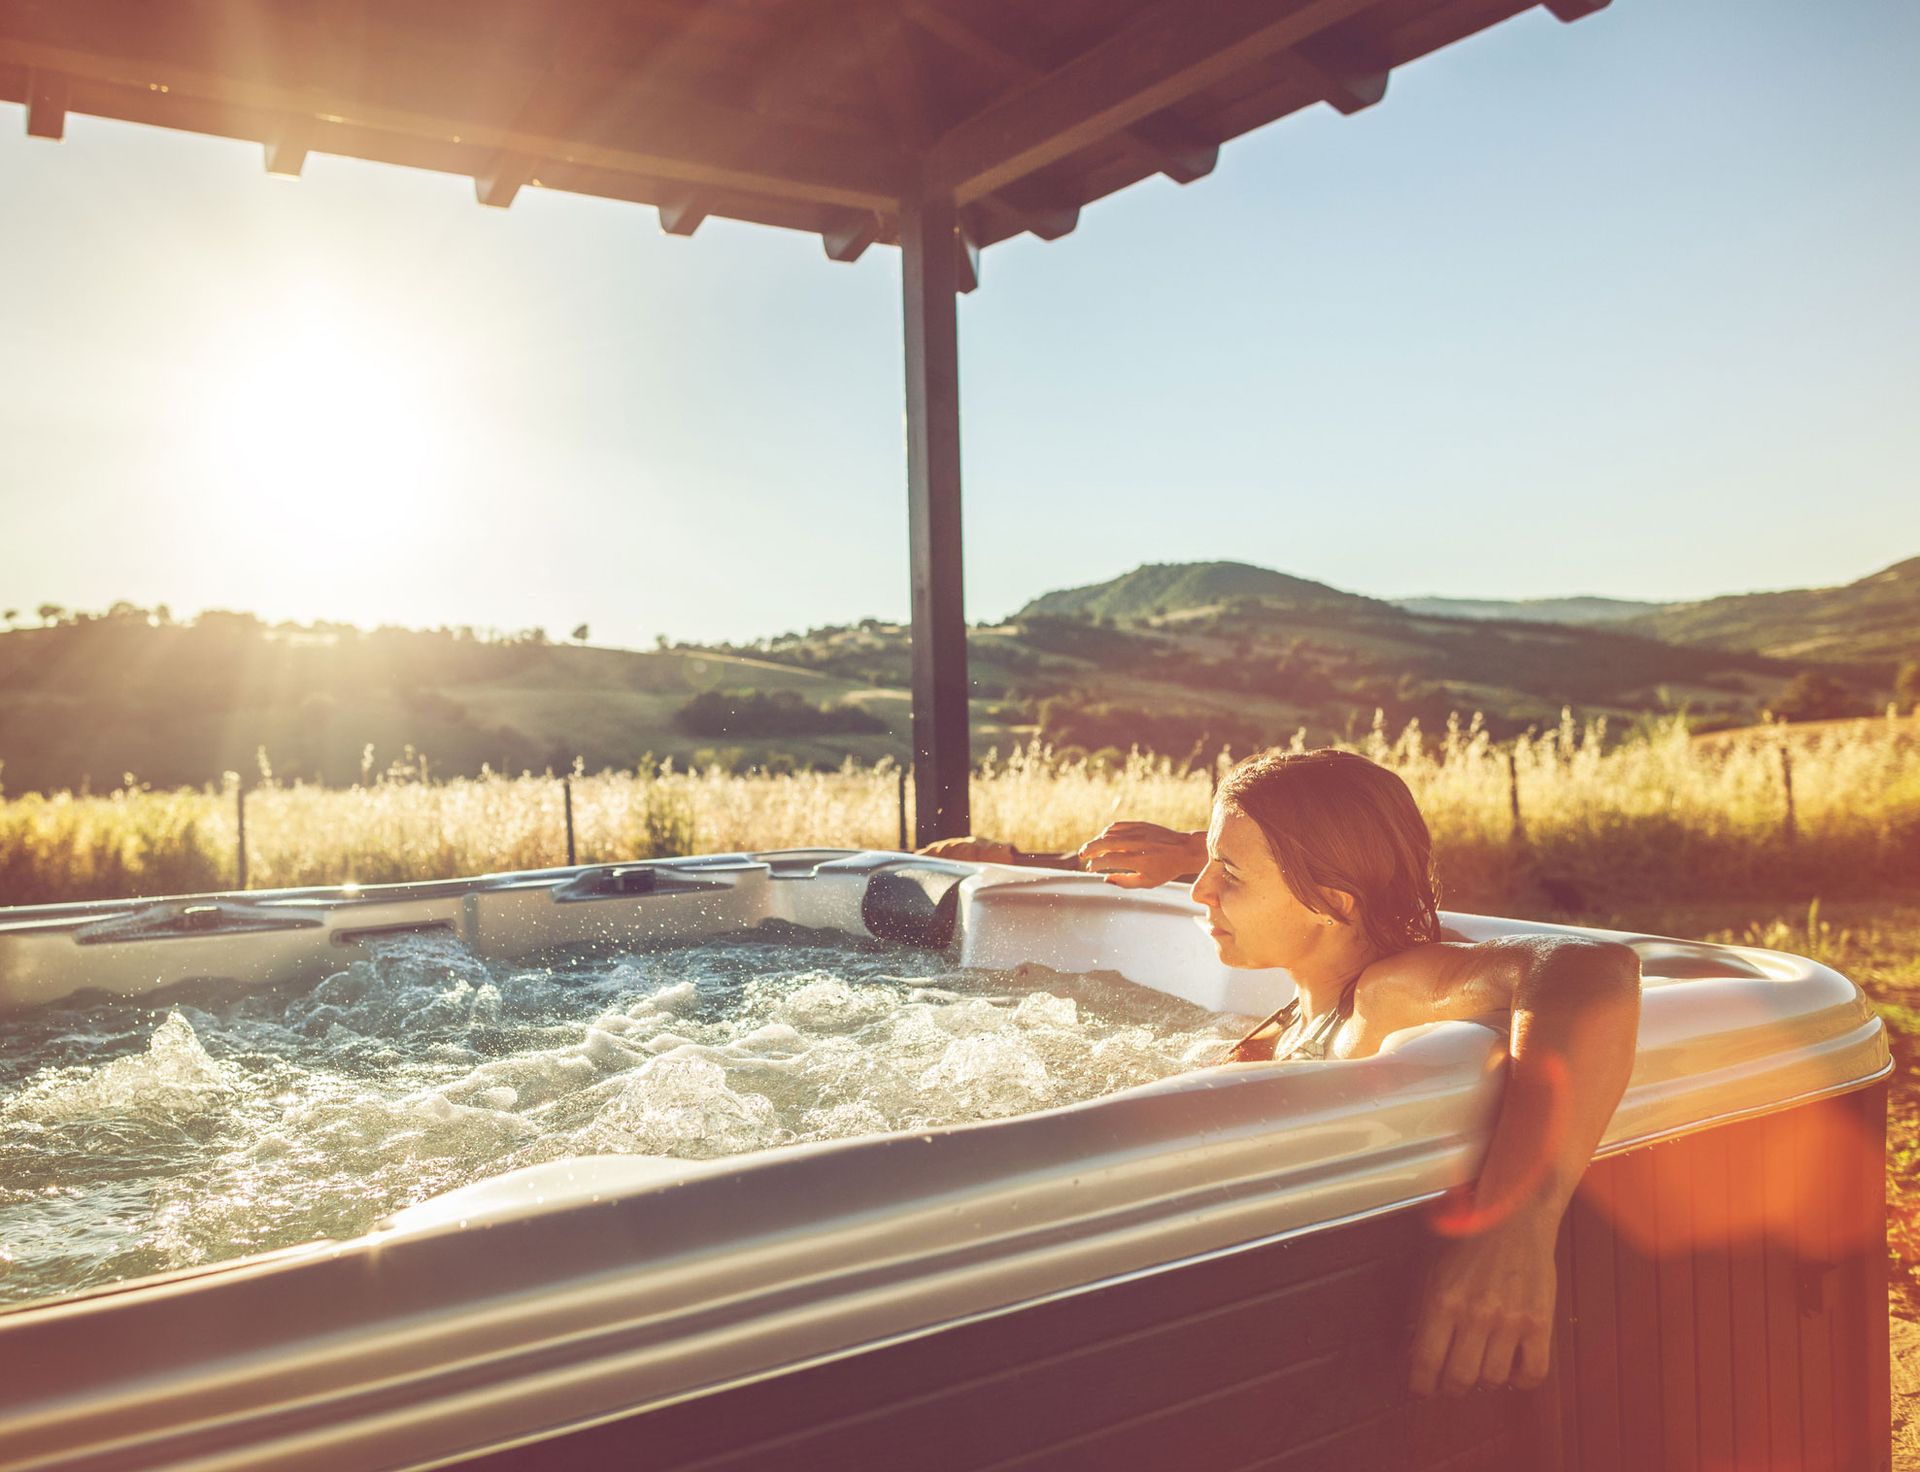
[
  {"x": 1163, "y": 55},
  {"x": 895, "y": 69},
  {"x": 847, "y": 238},
  {"x": 806, "y": 39},
  {"x": 682, "y": 214},
  {"x": 656, "y": 133},
  {"x": 1173, "y": 149},
  {"x": 46, "y": 105},
  {"x": 1345, "y": 74},
  {"x": 818, "y": 115},
  {"x": 287, "y": 152}
]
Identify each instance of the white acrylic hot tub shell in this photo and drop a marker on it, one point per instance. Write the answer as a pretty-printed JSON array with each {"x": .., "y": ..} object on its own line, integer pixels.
[{"x": 584, "y": 1289}]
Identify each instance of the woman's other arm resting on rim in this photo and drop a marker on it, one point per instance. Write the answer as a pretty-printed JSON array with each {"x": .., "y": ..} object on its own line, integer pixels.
[
  {"x": 1486, "y": 1317},
  {"x": 974, "y": 849},
  {"x": 1129, "y": 854}
]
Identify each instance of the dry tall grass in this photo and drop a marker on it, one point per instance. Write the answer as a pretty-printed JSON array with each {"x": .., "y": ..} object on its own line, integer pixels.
[{"x": 1656, "y": 814}]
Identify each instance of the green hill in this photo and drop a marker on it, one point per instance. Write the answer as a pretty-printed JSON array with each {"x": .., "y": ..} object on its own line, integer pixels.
[
  {"x": 1873, "y": 620},
  {"x": 1161, "y": 589},
  {"x": 1220, "y": 652}
]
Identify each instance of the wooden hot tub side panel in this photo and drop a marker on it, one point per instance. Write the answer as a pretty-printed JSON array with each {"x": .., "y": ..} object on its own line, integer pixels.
[
  {"x": 1724, "y": 1300},
  {"x": 1722, "y": 1305}
]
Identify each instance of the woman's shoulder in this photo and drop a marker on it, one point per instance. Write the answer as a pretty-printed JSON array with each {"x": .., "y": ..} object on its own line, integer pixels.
[{"x": 1439, "y": 981}]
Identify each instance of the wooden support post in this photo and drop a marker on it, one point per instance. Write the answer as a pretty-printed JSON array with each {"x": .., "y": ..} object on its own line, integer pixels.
[{"x": 942, "y": 756}]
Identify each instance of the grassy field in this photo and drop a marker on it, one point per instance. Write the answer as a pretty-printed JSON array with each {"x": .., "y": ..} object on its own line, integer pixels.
[
  {"x": 1663, "y": 832},
  {"x": 1655, "y": 817}
]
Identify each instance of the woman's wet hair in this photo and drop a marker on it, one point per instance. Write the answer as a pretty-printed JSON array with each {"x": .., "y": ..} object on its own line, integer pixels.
[{"x": 1335, "y": 820}]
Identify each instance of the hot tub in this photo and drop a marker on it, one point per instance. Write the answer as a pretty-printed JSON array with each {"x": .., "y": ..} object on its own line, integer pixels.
[{"x": 1214, "y": 1269}]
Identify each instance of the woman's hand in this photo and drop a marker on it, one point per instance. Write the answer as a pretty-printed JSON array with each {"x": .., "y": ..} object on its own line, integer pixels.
[
  {"x": 1486, "y": 1317},
  {"x": 1142, "y": 855},
  {"x": 973, "y": 850}
]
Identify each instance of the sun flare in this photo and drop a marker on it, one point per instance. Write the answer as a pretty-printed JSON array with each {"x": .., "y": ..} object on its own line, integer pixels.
[{"x": 318, "y": 414}]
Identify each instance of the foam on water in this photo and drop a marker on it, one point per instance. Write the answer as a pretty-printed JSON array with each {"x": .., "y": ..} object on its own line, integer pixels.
[{"x": 135, "y": 1139}]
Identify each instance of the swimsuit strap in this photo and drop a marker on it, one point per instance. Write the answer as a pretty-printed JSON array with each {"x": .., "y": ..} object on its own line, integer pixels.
[
  {"x": 1313, "y": 1045},
  {"x": 1247, "y": 1050},
  {"x": 1316, "y": 1042}
]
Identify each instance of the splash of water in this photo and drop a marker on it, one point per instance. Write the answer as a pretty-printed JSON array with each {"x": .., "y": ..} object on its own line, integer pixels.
[{"x": 136, "y": 1139}]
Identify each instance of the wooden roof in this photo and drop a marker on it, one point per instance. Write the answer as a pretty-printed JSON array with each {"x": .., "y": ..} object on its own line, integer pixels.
[{"x": 818, "y": 115}]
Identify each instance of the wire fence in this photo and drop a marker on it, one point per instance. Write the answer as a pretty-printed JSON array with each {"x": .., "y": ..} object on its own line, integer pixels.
[{"x": 1566, "y": 815}]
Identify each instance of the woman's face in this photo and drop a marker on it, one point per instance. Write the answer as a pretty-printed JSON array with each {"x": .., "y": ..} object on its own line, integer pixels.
[{"x": 1253, "y": 918}]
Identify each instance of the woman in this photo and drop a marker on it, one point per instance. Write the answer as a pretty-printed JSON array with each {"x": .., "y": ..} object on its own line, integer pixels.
[{"x": 1319, "y": 862}]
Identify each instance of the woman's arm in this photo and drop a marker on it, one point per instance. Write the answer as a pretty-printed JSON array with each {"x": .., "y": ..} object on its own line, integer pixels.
[
  {"x": 1487, "y": 1314},
  {"x": 1131, "y": 855},
  {"x": 976, "y": 850}
]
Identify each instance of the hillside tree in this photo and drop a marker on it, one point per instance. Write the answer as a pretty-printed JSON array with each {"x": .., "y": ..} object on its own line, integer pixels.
[
  {"x": 1814, "y": 696},
  {"x": 1906, "y": 686}
]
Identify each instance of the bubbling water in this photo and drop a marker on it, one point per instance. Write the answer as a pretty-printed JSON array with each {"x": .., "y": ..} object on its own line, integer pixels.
[{"x": 135, "y": 1139}]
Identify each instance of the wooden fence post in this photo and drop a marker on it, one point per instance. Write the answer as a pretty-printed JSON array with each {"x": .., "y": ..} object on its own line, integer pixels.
[
  {"x": 240, "y": 836},
  {"x": 1519, "y": 834},
  {"x": 566, "y": 796},
  {"x": 1786, "y": 782},
  {"x": 901, "y": 779}
]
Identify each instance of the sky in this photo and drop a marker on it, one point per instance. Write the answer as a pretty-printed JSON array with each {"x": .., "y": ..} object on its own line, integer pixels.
[{"x": 1626, "y": 307}]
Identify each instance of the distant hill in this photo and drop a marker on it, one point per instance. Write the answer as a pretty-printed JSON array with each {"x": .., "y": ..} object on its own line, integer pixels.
[
  {"x": 1533, "y": 610},
  {"x": 1185, "y": 656},
  {"x": 1874, "y": 619},
  {"x": 88, "y": 701},
  {"x": 1161, "y": 589},
  {"x": 1179, "y": 659}
]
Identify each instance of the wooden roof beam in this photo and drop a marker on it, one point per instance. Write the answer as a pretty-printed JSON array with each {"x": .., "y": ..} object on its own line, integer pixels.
[
  {"x": 1163, "y": 55},
  {"x": 1572, "y": 10},
  {"x": 1028, "y": 207},
  {"x": 547, "y": 104},
  {"x": 700, "y": 144},
  {"x": 966, "y": 260},
  {"x": 499, "y": 185},
  {"x": 46, "y": 105},
  {"x": 1341, "y": 75},
  {"x": 847, "y": 239},
  {"x": 287, "y": 153},
  {"x": 681, "y": 215},
  {"x": 1047, "y": 219},
  {"x": 894, "y": 65},
  {"x": 1180, "y": 155}
]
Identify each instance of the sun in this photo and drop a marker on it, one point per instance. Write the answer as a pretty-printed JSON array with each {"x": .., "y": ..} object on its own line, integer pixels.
[{"x": 317, "y": 412}]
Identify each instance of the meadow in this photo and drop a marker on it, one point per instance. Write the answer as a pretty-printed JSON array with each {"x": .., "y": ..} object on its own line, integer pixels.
[
  {"x": 1805, "y": 839},
  {"x": 1566, "y": 819}
]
